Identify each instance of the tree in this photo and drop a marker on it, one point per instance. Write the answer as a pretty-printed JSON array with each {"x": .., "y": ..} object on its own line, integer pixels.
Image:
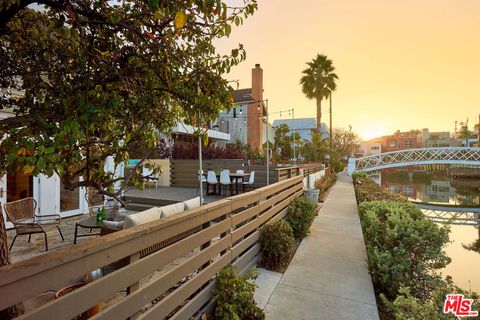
[
  {"x": 318, "y": 81},
  {"x": 15, "y": 310},
  {"x": 283, "y": 142},
  {"x": 91, "y": 79},
  {"x": 344, "y": 142},
  {"x": 315, "y": 150}
]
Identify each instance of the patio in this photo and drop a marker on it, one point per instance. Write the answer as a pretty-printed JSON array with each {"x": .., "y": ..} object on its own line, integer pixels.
[{"x": 148, "y": 197}]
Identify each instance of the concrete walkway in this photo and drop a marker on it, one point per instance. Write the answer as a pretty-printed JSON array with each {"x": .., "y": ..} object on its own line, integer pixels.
[{"x": 328, "y": 277}]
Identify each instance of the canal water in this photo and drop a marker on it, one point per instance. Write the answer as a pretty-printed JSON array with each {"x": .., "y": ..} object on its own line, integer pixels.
[{"x": 437, "y": 186}]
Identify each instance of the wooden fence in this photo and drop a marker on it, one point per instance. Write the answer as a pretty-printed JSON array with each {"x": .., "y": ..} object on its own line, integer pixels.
[
  {"x": 312, "y": 168},
  {"x": 181, "y": 276},
  {"x": 184, "y": 173}
]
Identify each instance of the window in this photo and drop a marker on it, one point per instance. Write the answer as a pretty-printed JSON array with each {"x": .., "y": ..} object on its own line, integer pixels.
[
  {"x": 392, "y": 144},
  {"x": 374, "y": 148},
  {"x": 408, "y": 143}
]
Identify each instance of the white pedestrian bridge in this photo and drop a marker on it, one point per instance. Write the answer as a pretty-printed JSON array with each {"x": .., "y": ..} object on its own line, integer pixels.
[{"x": 420, "y": 156}]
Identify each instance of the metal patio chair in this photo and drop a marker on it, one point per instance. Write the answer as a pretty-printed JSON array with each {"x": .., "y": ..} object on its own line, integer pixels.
[{"x": 22, "y": 214}]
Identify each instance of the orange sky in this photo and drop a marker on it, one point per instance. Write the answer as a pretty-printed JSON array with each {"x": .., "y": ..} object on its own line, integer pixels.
[{"x": 402, "y": 64}]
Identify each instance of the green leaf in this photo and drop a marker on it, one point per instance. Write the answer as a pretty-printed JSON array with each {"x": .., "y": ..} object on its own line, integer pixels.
[{"x": 41, "y": 163}]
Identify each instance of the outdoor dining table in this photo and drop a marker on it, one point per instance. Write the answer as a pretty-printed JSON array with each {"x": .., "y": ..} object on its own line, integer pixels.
[{"x": 237, "y": 177}]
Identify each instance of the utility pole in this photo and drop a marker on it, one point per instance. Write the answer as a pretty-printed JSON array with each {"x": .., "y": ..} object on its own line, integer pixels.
[
  {"x": 331, "y": 134},
  {"x": 293, "y": 124},
  {"x": 268, "y": 147}
]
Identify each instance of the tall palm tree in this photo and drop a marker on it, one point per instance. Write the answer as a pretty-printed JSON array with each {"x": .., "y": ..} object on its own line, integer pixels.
[{"x": 318, "y": 82}]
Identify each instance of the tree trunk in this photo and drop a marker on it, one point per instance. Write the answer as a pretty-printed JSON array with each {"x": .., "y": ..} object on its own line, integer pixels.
[
  {"x": 319, "y": 115},
  {"x": 15, "y": 310}
]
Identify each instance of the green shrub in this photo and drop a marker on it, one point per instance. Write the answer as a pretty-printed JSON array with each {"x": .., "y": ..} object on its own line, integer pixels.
[
  {"x": 367, "y": 190},
  {"x": 277, "y": 242},
  {"x": 404, "y": 248},
  {"x": 300, "y": 215},
  {"x": 356, "y": 176},
  {"x": 234, "y": 296},
  {"x": 325, "y": 183}
]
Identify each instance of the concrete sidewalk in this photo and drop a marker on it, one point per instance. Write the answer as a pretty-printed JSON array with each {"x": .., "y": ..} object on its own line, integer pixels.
[{"x": 328, "y": 277}]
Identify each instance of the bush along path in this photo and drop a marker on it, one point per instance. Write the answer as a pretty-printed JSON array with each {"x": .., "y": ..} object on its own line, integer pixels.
[
  {"x": 405, "y": 252},
  {"x": 328, "y": 276}
]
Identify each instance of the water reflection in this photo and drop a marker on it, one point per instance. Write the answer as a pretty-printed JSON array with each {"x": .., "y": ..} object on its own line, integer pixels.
[{"x": 438, "y": 187}]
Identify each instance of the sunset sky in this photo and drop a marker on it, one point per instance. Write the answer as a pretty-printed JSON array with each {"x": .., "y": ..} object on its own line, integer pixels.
[{"x": 402, "y": 64}]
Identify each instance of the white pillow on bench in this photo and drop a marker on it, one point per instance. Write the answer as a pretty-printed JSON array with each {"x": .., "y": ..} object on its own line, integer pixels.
[
  {"x": 146, "y": 216},
  {"x": 192, "y": 203},
  {"x": 172, "y": 209}
]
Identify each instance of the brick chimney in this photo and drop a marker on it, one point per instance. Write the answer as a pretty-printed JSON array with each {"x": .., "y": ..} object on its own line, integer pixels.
[{"x": 255, "y": 125}]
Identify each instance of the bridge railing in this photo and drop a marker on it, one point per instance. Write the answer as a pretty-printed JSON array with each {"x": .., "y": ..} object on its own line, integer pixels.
[{"x": 417, "y": 156}]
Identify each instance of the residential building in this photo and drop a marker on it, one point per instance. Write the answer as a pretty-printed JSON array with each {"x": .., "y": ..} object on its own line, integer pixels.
[
  {"x": 371, "y": 147},
  {"x": 184, "y": 132},
  {"x": 400, "y": 141},
  {"x": 244, "y": 122},
  {"x": 303, "y": 126},
  {"x": 427, "y": 139}
]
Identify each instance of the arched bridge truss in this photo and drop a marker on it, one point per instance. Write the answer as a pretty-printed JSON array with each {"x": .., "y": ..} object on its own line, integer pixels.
[{"x": 410, "y": 157}]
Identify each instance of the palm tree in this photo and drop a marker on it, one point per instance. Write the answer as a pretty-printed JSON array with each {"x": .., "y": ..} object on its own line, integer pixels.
[{"x": 318, "y": 82}]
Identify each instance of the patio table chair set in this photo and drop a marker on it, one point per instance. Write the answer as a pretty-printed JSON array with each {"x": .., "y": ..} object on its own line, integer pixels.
[{"x": 226, "y": 180}]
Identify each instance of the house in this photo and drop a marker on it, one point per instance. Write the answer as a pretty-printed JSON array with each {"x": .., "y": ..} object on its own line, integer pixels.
[
  {"x": 245, "y": 121},
  {"x": 427, "y": 139},
  {"x": 400, "y": 141},
  {"x": 184, "y": 132},
  {"x": 371, "y": 147},
  {"x": 303, "y": 126}
]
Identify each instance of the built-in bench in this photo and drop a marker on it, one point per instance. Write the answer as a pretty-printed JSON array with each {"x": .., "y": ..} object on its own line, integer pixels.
[{"x": 151, "y": 215}]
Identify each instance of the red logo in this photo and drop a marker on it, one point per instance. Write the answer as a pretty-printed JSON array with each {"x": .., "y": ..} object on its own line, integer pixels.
[{"x": 459, "y": 306}]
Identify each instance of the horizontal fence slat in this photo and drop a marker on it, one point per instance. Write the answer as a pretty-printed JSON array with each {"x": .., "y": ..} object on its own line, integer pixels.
[
  {"x": 244, "y": 244},
  {"x": 164, "y": 307},
  {"x": 82, "y": 299},
  {"x": 134, "y": 302}
]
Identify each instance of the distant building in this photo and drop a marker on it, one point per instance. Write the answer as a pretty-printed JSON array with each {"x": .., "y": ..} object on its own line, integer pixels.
[
  {"x": 245, "y": 121},
  {"x": 371, "y": 147},
  {"x": 303, "y": 126},
  {"x": 400, "y": 141},
  {"x": 427, "y": 139}
]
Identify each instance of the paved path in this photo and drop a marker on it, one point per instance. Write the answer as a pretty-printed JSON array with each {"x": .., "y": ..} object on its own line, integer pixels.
[{"x": 328, "y": 277}]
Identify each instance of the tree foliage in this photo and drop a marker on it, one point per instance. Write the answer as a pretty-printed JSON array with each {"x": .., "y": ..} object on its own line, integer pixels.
[
  {"x": 315, "y": 150},
  {"x": 318, "y": 81},
  {"x": 283, "y": 143},
  {"x": 344, "y": 142},
  {"x": 88, "y": 79}
]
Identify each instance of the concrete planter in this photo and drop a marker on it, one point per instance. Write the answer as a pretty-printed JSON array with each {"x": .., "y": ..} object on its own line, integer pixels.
[{"x": 312, "y": 195}]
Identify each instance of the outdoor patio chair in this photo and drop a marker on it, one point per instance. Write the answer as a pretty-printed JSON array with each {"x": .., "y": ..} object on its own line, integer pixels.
[
  {"x": 225, "y": 181},
  {"x": 147, "y": 173},
  {"x": 240, "y": 171},
  {"x": 250, "y": 182},
  {"x": 201, "y": 180},
  {"x": 212, "y": 180},
  {"x": 22, "y": 214}
]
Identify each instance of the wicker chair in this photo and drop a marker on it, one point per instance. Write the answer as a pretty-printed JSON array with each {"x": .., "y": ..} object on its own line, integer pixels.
[{"x": 22, "y": 214}]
